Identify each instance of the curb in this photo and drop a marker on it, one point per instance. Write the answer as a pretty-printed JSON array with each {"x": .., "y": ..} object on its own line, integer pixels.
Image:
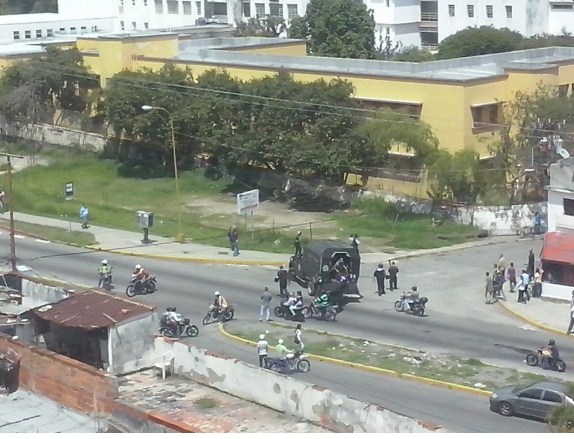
[
  {"x": 529, "y": 320},
  {"x": 430, "y": 381}
]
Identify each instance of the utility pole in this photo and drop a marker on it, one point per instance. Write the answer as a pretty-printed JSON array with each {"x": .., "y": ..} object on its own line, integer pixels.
[{"x": 11, "y": 200}]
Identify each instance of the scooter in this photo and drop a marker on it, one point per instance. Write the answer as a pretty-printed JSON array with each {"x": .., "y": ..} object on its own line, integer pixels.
[
  {"x": 147, "y": 286},
  {"x": 416, "y": 307},
  {"x": 544, "y": 358},
  {"x": 296, "y": 361}
]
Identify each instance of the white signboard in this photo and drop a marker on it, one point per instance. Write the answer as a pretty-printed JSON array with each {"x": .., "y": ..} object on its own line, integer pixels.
[{"x": 247, "y": 202}]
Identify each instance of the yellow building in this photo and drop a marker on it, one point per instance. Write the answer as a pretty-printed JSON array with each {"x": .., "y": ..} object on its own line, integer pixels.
[{"x": 461, "y": 99}]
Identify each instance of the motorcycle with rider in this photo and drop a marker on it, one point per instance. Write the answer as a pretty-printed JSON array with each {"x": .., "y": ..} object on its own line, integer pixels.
[
  {"x": 105, "y": 272},
  {"x": 141, "y": 283}
]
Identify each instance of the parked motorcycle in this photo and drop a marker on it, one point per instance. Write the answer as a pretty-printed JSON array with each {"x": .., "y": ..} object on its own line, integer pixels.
[
  {"x": 296, "y": 361},
  {"x": 545, "y": 360},
  {"x": 105, "y": 281},
  {"x": 313, "y": 311},
  {"x": 416, "y": 307},
  {"x": 183, "y": 327},
  {"x": 213, "y": 315},
  {"x": 147, "y": 286},
  {"x": 283, "y": 311}
]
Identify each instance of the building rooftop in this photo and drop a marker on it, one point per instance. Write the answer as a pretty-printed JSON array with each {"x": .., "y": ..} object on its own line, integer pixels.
[
  {"x": 91, "y": 310},
  {"x": 44, "y": 18}
]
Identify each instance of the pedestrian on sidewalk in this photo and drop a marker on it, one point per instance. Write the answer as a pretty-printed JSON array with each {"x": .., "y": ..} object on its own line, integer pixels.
[
  {"x": 511, "y": 276},
  {"x": 380, "y": 274},
  {"x": 499, "y": 285},
  {"x": 282, "y": 277},
  {"x": 488, "y": 289},
  {"x": 530, "y": 266},
  {"x": 262, "y": 349},
  {"x": 571, "y": 325},
  {"x": 537, "y": 284},
  {"x": 84, "y": 214},
  {"x": 265, "y": 305},
  {"x": 355, "y": 241},
  {"x": 233, "y": 236},
  {"x": 298, "y": 338},
  {"x": 572, "y": 299},
  {"x": 393, "y": 271},
  {"x": 297, "y": 244},
  {"x": 523, "y": 287},
  {"x": 502, "y": 264}
]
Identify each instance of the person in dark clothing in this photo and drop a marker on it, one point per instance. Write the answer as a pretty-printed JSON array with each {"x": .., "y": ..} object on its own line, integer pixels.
[
  {"x": 380, "y": 275},
  {"x": 282, "y": 277},
  {"x": 297, "y": 244},
  {"x": 530, "y": 269},
  {"x": 355, "y": 242},
  {"x": 393, "y": 271}
]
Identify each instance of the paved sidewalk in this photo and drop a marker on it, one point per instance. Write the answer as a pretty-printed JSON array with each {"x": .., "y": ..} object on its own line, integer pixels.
[{"x": 545, "y": 314}]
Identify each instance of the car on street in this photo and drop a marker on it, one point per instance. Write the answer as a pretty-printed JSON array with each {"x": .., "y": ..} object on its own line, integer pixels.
[{"x": 535, "y": 400}]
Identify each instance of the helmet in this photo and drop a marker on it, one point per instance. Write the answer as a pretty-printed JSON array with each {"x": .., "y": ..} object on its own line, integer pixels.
[
  {"x": 280, "y": 341},
  {"x": 261, "y": 336},
  {"x": 414, "y": 288},
  {"x": 217, "y": 293},
  {"x": 138, "y": 267},
  {"x": 104, "y": 262},
  {"x": 551, "y": 342}
]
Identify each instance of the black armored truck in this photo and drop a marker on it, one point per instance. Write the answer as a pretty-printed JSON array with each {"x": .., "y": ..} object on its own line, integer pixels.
[{"x": 331, "y": 266}]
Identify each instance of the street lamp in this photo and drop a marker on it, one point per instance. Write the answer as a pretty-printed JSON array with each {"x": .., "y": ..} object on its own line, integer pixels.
[
  {"x": 11, "y": 199},
  {"x": 180, "y": 236}
]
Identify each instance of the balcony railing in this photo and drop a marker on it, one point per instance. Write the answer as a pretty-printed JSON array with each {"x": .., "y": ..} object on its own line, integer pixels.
[{"x": 429, "y": 16}]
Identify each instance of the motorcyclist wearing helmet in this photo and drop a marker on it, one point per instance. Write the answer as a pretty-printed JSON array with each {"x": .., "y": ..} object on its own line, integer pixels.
[
  {"x": 173, "y": 319},
  {"x": 282, "y": 352},
  {"x": 219, "y": 304},
  {"x": 550, "y": 352},
  {"x": 105, "y": 270},
  {"x": 139, "y": 274},
  {"x": 321, "y": 303},
  {"x": 409, "y": 298},
  {"x": 297, "y": 303}
]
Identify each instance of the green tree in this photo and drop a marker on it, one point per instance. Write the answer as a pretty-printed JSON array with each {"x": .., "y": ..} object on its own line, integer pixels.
[
  {"x": 546, "y": 40},
  {"x": 481, "y": 40},
  {"x": 271, "y": 27},
  {"x": 338, "y": 28},
  {"x": 413, "y": 54}
]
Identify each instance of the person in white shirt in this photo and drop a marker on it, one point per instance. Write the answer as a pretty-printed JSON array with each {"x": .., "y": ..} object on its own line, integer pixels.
[
  {"x": 523, "y": 287},
  {"x": 262, "y": 349}
]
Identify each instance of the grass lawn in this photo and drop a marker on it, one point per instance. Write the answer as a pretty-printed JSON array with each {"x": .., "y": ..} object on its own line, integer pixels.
[
  {"x": 54, "y": 233},
  {"x": 113, "y": 202}
]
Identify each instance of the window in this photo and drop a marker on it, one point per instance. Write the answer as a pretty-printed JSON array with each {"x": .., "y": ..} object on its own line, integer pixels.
[
  {"x": 172, "y": 7},
  {"x": 531, "y": 394},
  {"x": 451, "y": 10},
  {"x": 276, "y": 9},
  {"x": 508, "y": 11},
  {"x": 485, "y": 117},
  {"x": 292, "y": 11},
  {"x": 159, "y": 6},
  {"x": 470, "y": 10},
  {"x": 16, "y": 34},
  {"x": 552, "y": 397},
  {"x": 122, "y": 25},
  {"x": 186, "y": 8},
  {"x": 562, "y": 7},
  {"x": 198, "y": 7},
  {"x": 121, "y": 9},
  {"x": 568, "y": 206},
  {"x": 27, "y": 34},
  {"x": 145, "y": 2},
  {"x": 121, "y": 2},
  {"x": 260, "y": 9},
  {"x": 146, "y": 25},
  {"x": 133, "y": 2},
  {"x": 246, "y": 9},
  {"x": 72, "y": 30},
  {"x": 219, "y": 8},
  {"x": 489, "y": 11},
  {"x": 83, "y": 29},
  {"x": 563, "y": 90},
  {"x": 50, "y": 33},
  {"x": 38, "y": 33},
  {"x": 63, "y": 29},
  {"x": 388, "y": 3},
  {"x": 134, "y": 25}
]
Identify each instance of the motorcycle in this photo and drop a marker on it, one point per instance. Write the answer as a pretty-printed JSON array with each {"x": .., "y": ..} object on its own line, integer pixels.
[
  {"x": 183, "y": 327},
  {"x": 315, "y": 312},
  {"x": 147, "y": 286},
  {"x": 213, "y": 314},
  {"x": 417, "y": 307},
  {"x": 283, "y": 311},
  {"x": 296, "y": 361},
  {"x": 105, "y": 281},
  {"x": 543, "y": 357}
]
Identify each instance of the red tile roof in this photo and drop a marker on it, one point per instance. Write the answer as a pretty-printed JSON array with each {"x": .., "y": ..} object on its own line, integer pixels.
[
  {"x": 92, "y": 310},
  {"x": 558, "y": 247}
]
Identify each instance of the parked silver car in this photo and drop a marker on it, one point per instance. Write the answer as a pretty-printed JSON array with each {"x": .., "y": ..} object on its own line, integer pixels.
[{"x": 535, "y": 400}]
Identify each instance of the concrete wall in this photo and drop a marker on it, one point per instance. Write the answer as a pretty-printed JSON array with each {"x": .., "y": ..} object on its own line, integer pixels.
[
  {"x": 132, "y": 344},
  {"x": 35, "y": 294},
  {"x": 556, "y": 291},
  {"x": 322, "y": 406}
]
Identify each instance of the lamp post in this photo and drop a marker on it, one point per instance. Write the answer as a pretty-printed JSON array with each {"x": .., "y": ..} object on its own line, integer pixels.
[
  {"x": 180, "y": 236},
  {"x": 11, "y": 200}
]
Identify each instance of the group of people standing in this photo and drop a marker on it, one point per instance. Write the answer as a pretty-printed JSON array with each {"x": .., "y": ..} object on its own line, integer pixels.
[
  {"x": 280, "y": 348},
  {"x": 528, "y": 278},
  {"x": 381, "y": 275}
]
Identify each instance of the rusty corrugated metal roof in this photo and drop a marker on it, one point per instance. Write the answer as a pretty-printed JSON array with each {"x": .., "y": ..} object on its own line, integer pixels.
[
  {"x": 558, "y": 247},
  {"x": 92, "y": 310}
]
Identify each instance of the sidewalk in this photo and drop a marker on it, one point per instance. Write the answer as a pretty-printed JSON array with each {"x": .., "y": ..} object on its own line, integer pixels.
[{"x": 548, "y": 315}]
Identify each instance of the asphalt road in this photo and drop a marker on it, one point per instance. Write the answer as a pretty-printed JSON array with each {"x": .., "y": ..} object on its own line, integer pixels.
[{"x": 458, "y": 322}]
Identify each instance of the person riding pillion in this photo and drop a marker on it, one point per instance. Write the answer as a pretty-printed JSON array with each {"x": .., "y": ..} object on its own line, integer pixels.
[{"x": 296, "y": 303}]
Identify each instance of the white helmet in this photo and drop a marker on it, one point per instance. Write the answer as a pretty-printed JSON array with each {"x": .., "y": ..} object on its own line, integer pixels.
[
  {"x": 217, "y": 293},
  {"x": 280, "y": 341},
  {"x": 261, "y": 336},
  {"x": 104, "y": 262},
  {"x": 138, "y": 267}
]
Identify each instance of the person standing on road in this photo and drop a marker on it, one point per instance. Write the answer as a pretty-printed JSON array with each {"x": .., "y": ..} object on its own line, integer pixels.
[
  {"x": 298, "y": 339},
  {"x": 233, "y": 236},
  {"x": 488, "y": 289},
  {"x": 571, "y": 325},
  {"x": 499, "y": 282},
  {"x": 523, "y": 287},
  {"x": 355, "y": 242},
  {"x": 380, "y": 275},
  {"x": 262, "y": 349},
  {"x": 530, "y": 268},
  {"x": 84, "y": 214},
  {"x": 265, "y": 305},
  {"x": 537, "y": 284},
  {"x": 502, "y": 264},
  {"x": 282, "y": 277},
  {"x": 297, "y": 244},
  {"x": 393, "y": 271},
  {"x": 511, "y": 276}
]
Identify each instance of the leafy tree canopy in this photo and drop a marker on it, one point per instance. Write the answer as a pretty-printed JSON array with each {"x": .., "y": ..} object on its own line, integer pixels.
[
  {"x": 338, "y": 28},
  {"x": 271, "y": 27},
  {"x": 482, "y": 40},
  {"x": 413, "y": 54}
]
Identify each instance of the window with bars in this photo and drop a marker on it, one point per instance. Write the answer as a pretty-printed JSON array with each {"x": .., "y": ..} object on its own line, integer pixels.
[
  {"x": 508, "y": 11},
  {"x": 489, "y": 11},
  {"x": 186, "y": 8},
  {"x": 276, "y": 9},
  {"x": 470, "y": 10},
  {"x": 16, "y": 34},
  {"x": 260, "y": 9},
  {"x": 246, "y": 9},
  {"x": 198, "y": 7},
  {"x": 292, "y": 11},
  {"x": 159, "y": 6},
  {"x": 172, "y": 7},
  {"x": 451, "y": 10}
]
